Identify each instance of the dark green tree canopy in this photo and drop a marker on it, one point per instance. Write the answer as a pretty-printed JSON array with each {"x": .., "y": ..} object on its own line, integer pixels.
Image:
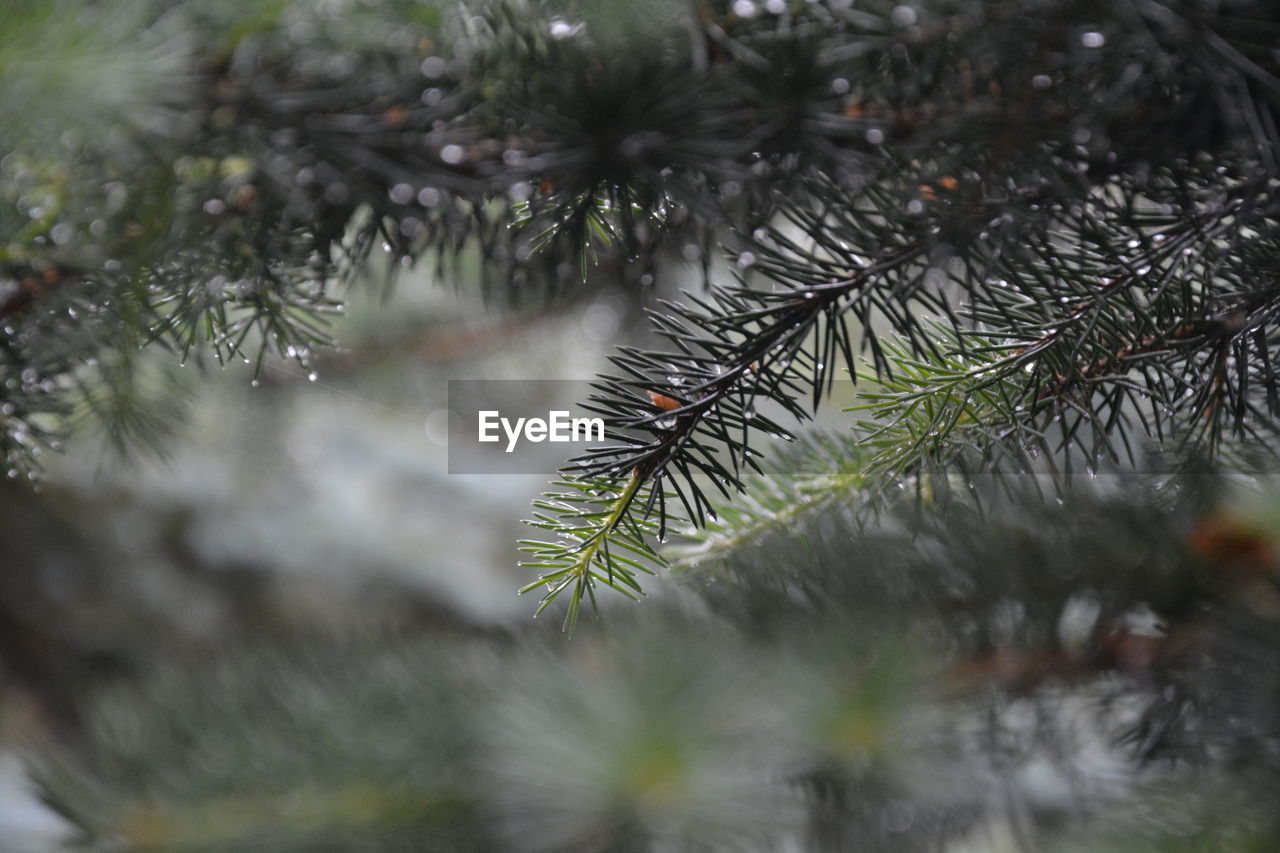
[
  {"x": 1063, "y": 251},
  {"x": 1043, "y": 236}
]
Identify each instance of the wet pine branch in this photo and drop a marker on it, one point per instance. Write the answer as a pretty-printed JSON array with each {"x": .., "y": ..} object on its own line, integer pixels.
[
  {"x": 1112, "y": 317},
  {"x": 256, "y": 153},
  {"x": 817, "y": 470},
  {"x": 597, "y": 540}
]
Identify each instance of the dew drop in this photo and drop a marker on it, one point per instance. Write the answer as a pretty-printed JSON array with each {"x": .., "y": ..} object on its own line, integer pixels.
[
  {"x": 432, "y": 67},
  {"x": 562, "y": 29},
  {"x": 401, "y": 193},
  {"x": 904, "y": 16}
]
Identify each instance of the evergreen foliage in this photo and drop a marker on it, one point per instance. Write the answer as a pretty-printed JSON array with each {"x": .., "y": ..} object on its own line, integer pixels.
[
  {"x": 1040, "y": 234},
  {"x": 962, "y": 676}
]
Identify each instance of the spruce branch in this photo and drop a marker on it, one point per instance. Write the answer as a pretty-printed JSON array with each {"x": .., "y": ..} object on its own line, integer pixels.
[
  {"x": 1129, "y": 318},
  {"x": 598, "y": 540},
  {"x": 1100, "y": 313},
  {"x": 433, "y": 131},
  {"x": 931, "y": 411},
  {"x": 820, "y": 468},
  {"x": 682, "y": 418},
  {"x": 1118, "y": 318}
]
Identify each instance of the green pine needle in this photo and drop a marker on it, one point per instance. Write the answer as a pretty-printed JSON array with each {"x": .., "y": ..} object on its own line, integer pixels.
[{"x": 598, "y": 540}]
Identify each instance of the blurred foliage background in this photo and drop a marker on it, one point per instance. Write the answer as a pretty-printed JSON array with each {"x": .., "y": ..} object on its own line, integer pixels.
[{"x": 1023, "y": 597}]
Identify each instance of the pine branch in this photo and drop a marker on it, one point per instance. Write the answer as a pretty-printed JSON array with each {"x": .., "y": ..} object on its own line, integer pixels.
[
  {"x": 1074, "y": 299},
  {"x": 927, "y": 412},
  {"x": 433, "y": 131},
  {"x": 819, "y": 470},
  {"x": 1129, "y": 319},
  {"x": 598, "y": 540}
]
